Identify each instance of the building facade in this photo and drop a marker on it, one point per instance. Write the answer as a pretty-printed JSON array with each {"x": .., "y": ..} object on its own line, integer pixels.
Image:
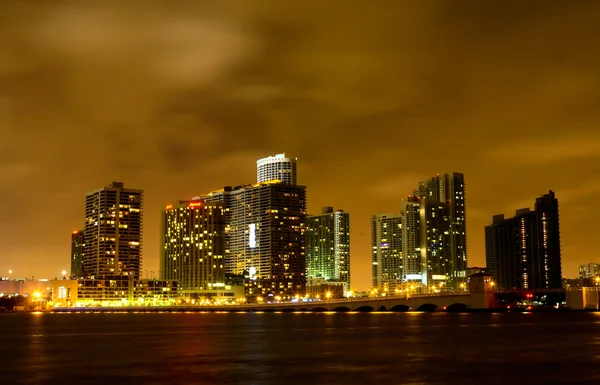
[
  {"x": 266, "y": 237},
  {"x": 591, "y": 270},
  {"x": 77, "y": 251},
  {"x": 524, "y": 251},
  {"x": 113, "y": 291},
  {"x": 386, "y": 251},
  {"x": 113, "y": 231},
  {"x": 193, "y": 246},
  {"x": 277, "y": 167},
  {"x": 414, "y": 258},
  {"x": 328, "y": 246}
]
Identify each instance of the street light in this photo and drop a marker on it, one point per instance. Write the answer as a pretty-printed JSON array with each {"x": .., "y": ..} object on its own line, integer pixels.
[
  {"x": 64, "y": 273},
  {"x": 328, "y": 295}
]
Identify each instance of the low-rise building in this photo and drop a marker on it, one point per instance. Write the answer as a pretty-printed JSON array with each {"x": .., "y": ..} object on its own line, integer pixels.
[
  {"x": 24, "y": 287},
  {"x": 321, "y": 288},
  {"x": 113, "y": 291}
]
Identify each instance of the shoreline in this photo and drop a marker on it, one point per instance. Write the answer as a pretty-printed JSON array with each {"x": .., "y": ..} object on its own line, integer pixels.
[{"x": 267, "y": 310}]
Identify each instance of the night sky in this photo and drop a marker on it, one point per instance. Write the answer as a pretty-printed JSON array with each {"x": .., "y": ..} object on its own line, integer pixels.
[{"x": 179, "y": 98}]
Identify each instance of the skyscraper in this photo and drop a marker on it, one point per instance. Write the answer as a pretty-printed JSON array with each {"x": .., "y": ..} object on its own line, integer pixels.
[
  {"x": 113, "y": 231},
  {"x": 193, "y": 246},
  {"x": 266, "y": 238},
  {"x": 414, "y": 258},
  {"x": 386, "y": 250},
  {"x": 328, "y": 246},
  {"x": 276, "y": 167},
  {"x": 444, "y": 228},
  {"x": 77, "y": 244},
  {"x": 524, "y": 251},
  {"x": 546, "y": 208}
]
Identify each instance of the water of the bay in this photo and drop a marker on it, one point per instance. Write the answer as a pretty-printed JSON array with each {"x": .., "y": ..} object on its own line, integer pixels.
[{"x": 300, "y": 348}]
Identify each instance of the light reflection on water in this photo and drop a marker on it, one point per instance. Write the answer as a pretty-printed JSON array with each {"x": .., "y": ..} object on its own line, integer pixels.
[{"x": 299, "y": 348}]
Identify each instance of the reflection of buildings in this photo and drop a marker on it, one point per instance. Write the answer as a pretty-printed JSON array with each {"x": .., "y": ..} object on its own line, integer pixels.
[
  {"x": 386, "y": 251},
  {"x": 113, "y": 291},
  {"x": 77, "y": 246},
  {"x": 266, "y": 236},
  {"x": 113, "y": 231},
  {"x": 524, "y": 251},
  {"x": 591, "y": 270},
  {"x": 276, "y": 167},
  {"x": 193, "y": 246},
  {"x": 328, "y": 246}
]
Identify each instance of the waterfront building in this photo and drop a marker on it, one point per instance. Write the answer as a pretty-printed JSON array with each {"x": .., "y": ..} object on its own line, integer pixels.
[
  {"x": 266, "y": 236},
  {"x": 77, "y": 251},
  {"x": 193, "y": 247},
  {"x": 278, "y": 167},
  {"x": 524, "y": 251},
  {"x": 113, "y": 291},
  {"x": 386, "y": 251},
  {"x": 328, "y": 245},
  {"x": 113, "y": 232},
  {"x": 24, "y": 287},
  {"x": 320, "y": 288}
]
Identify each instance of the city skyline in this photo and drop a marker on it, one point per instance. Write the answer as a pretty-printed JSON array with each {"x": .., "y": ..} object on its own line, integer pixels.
[
  {"x": 211, "y": 197},
  {"x": 367, "y": 111}
]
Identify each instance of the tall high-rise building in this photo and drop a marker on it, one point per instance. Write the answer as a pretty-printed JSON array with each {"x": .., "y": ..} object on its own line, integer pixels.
[
  {"x": 77, "y": 244},
  {"x": 277, "y": 167},
  {"x": 591, "y": 270},
  {"x": 193, "y": 246},
  {"x": 414, "y": 258},
  {"x": 113, "y": 231},
  {"x": 328, "y": 246},
  {"x": 444, "y": 228},
  {"x": 546, "y": 207},
  {"x": 266, "y": 238},
  {"x": 524, "y": 251},
  {"x": 386, "y": 250}
]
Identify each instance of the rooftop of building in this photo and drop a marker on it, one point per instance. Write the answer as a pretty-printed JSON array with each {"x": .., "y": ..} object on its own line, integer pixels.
[
  {"x": 115, "y": 186},
  {"x": 253, "y": 185},
  {"x": 274, "y": 158}
]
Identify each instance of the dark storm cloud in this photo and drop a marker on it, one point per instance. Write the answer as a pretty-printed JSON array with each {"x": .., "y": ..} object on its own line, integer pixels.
[{"x": 182, "y": 99}]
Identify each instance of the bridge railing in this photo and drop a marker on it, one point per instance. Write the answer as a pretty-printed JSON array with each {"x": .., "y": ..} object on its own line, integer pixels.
[{"x": 280, "y": 304}]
